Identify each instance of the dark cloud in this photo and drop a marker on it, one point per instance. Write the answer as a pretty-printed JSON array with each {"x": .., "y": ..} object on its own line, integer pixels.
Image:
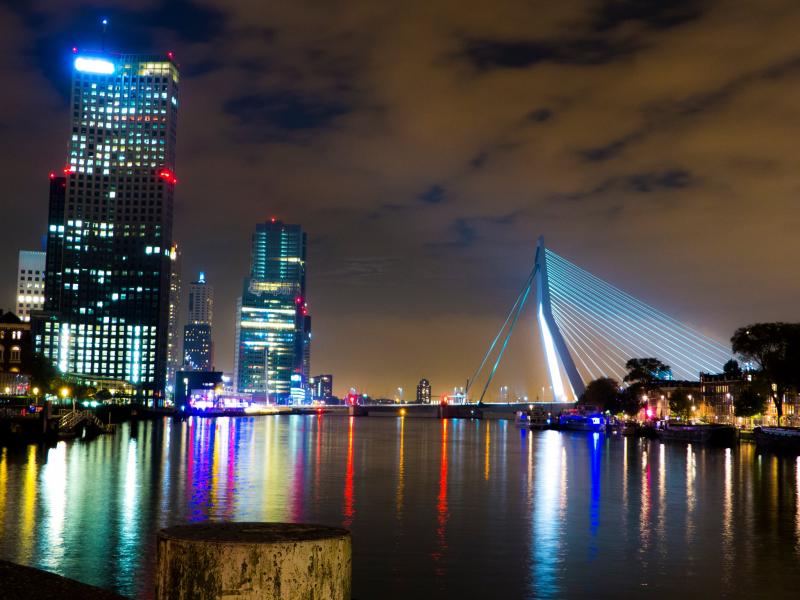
[
  {"x": 657, "y": 14},
  {"x": 540, "y": 115},
  {"x": 282, "y": 112},
  {"x": 433, "y": 195},
  {"x": 648, "y": 182},
  {"x": 489, "y": 54}
]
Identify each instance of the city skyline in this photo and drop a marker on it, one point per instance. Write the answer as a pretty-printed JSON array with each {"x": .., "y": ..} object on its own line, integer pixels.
[{"x": 423, "y": 213}]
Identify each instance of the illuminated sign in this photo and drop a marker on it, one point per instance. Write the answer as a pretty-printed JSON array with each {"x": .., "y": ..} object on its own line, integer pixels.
[{"x": 94, "y": 65}]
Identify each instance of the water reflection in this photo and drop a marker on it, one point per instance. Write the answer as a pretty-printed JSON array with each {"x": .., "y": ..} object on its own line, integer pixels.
[
  {"x": 349, "y": 508},
  {"x": 440, "y": 509},
  {"x": 546, "y": 525},
  {"x": 644, "y": 513},
  {"x": 3, "y": 487},
  {"x": 401, "y": 469},
  {"x": 594, "y": 503},
  {"x": 27, "y": 514},
  {"x": 442, "y": 513},
  {"x": 797, "y": 503},
  {"x": 727, "y": 516},
  {"x": 661, "y": 526},
  {"x": 691, "y": 472},
  {"x": 488, "y": 437},
  {"x": 54, "y": 478}
]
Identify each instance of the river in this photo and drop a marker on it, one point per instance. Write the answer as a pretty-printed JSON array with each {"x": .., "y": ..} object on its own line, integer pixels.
[{"x": 438, "y": 509}]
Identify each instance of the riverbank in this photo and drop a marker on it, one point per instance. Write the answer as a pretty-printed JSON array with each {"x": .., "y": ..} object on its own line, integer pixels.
[{"x": 18, "y": 582}]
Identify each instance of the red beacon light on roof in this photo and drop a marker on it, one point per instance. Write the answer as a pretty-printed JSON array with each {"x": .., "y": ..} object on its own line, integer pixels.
[
  {"x": 52, "y": 175},
  {"x": 170, "y": 55},
  {"x": 69, "y": 169},
  {"x": 168, "y": 176}
]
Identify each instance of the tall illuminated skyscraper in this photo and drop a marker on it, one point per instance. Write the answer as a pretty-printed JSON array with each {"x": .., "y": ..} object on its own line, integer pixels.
[
  {"x": 273, "y": 328},
  {"x": 111, "y": 240},
  {"x": 198, "y": 347}
]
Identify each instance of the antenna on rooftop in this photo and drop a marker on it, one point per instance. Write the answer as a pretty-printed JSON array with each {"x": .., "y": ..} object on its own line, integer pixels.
[{"x": 104, "y": 23}]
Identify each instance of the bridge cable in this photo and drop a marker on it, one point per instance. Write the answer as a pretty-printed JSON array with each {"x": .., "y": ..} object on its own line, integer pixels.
[
  {"x": 472, "y": 379},
  {"x": 524, "y": 297}
]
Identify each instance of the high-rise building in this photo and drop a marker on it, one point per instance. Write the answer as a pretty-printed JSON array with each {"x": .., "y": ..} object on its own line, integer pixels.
[
  {"x": 321, "y": 387},
  {"x": 201, "y": 301},
  {"x": 110, "y": 235},
  {"x": 174, "y": 358},
  {"x": 30, "y": 283},
  {"x": 198, "y": 347},
  {"x": 55, "y": 242},
  {"x": 424, "y": 391},
  {"x": 273, "y": 327}
]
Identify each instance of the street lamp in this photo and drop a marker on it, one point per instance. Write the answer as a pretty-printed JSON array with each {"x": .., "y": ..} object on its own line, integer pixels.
[{"x": 65, "y": 391}]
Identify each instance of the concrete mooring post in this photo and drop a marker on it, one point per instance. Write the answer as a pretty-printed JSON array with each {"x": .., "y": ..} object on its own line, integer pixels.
[{"x": 265, "y": 561}]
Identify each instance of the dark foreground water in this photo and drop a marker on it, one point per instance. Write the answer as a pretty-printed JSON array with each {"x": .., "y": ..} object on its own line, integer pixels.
[{"x": 438, "y": 509}]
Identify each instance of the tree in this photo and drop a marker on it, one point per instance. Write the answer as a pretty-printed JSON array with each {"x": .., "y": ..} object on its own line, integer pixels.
[
  {"x": 732, "y": 370},
  {"x": 680, "y": 403},
  {"x": 631, "y": 399},
  {"x": 647, "y": 372},
  {"x": 774, "y": 348},
  {"x": 602, "y": 393},
  {"x": 748, "y": 403},
  {"x": 43, "y": 374}
]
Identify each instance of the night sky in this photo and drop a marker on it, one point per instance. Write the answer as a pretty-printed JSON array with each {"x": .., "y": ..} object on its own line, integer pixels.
[{"x": 425, "y": 145}]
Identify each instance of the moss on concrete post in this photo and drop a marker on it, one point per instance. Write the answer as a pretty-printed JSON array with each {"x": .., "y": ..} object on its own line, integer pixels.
[{"x": 246, "y": 561}]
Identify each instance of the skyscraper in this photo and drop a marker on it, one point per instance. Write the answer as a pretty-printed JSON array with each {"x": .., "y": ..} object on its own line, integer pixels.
[
  {"x": 174, "y": 358},
  {"x": 30, "y": 283},
  {"x": 109, "y": 248},
  {"x": 198, "y": 347},
  {"x": 273, "y": 327}
]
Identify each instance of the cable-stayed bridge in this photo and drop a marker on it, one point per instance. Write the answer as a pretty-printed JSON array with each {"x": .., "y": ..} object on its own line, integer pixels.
[{"x": 590, "y": 329}]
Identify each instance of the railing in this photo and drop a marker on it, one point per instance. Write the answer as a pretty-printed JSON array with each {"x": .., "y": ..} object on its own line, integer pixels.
[{"x": 69, "y": 421}]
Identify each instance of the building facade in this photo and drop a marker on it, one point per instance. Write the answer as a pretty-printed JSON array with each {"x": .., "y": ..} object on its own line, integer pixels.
[
  {"x": 321, "y": 387},
  {"x": 30, "y": 283},
  {"x": 424, "y": 391},
  {"x": 198, "y": 349},
  {"x": 198, "y": 345},
  {"x": 15, "y": 355},
  {"x": 110, "y": 230},
  {"x": 273, "y": 327}
]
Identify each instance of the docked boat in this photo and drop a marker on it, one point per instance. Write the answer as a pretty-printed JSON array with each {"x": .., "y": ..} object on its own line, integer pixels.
[
  {"x": 722, "y": 435},
  {"x": 532, "y": 419},
  {"x": 578, "y": 422},
  {"x": 778, "y": 439}
]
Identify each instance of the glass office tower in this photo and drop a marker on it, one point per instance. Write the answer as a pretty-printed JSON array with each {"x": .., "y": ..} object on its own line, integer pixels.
[
  {"x": 110, "y": 243},
  {"x": 273, "y": 327}
]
